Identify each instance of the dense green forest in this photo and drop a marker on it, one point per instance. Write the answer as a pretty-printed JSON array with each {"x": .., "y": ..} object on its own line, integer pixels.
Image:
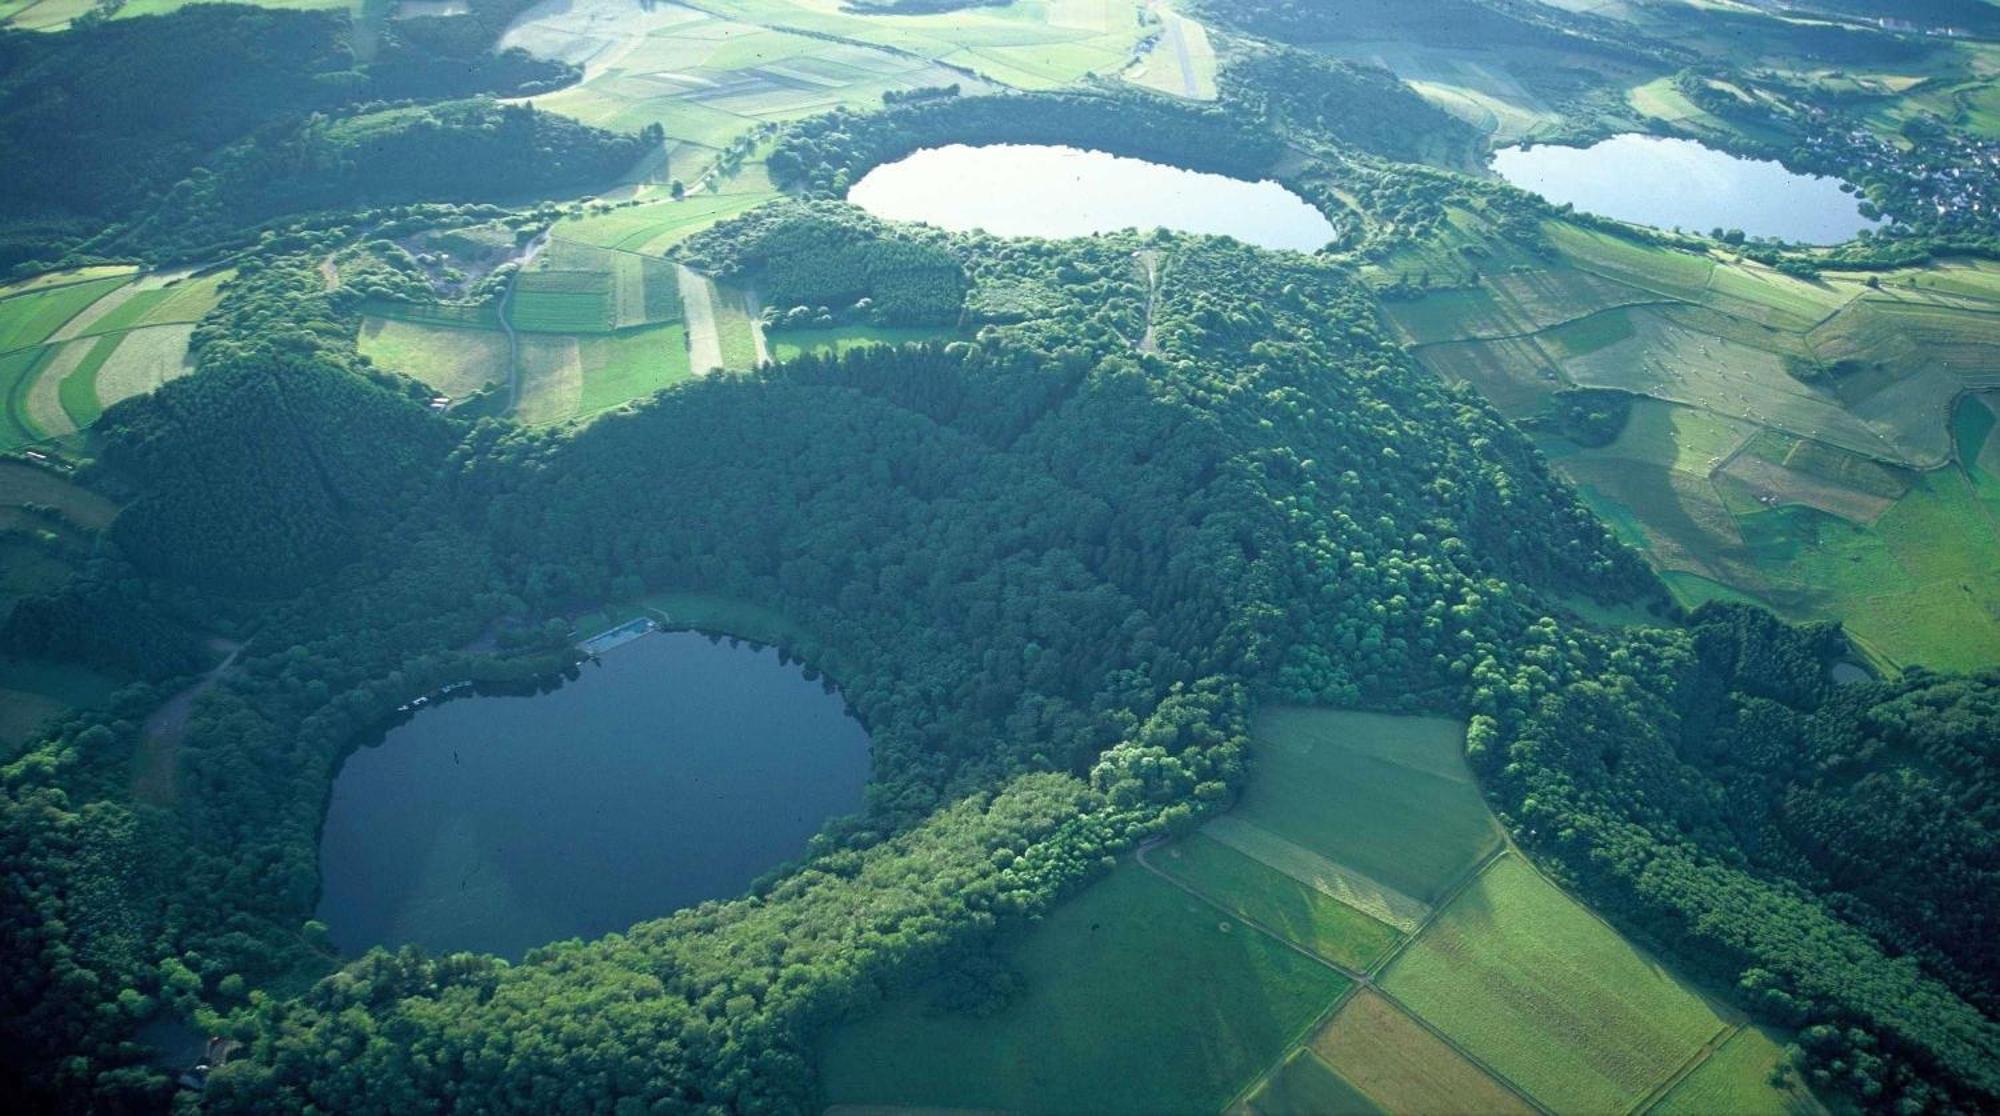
[
  {"x": 1051, "y": 615},
  {"x": 1155, "y": 482},
  {"x": 247, "y": 114},
  {"x": 831, "y": 153},
  {"x": 826, "y": 262}
]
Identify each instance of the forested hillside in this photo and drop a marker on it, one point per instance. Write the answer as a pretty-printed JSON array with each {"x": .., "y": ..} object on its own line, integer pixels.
[
  {"x": 1131, "y": 492},
  {"x": 234, "y": 114}
]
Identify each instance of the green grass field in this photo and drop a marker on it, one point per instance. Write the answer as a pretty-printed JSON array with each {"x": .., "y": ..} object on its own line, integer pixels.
[
  {"x": 31, "y": 317},
  {"x": 78, "y": 390},
  {"x": 1346, "y": 786},
  {"x": 455, "y": 361},
  {"x": 563, "y": 302},
  {"x": 1138, "y": 998},
  {"x": 631, "y": 365},
  {"x": 1307, "y": 1086},
  {"x": 1392, "y": 1060},
  {"x": 1746, "y": 1077},
  {"x": 1271, "y": 899},
  {"x": 1536, "y": 987}
]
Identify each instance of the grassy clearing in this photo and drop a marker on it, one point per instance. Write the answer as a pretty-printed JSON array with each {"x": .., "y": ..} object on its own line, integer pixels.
[
  {"x": 1346, "y": 785},
  {"x": 1919, "y": 583},
  {"x": 1397, "y": 1064},
  {"x": 454, "y": 361},
  {"x": 656, "y": 226},
  {"x": 1746, "y": 1077},
  {"x": 21, "y": 483},
  {"x": 1302, "y": 914},
  {"x": 790, "y": 343},
  {"x": 1137, "y": 998},
  {"x": 735, "y": 335},
  {"x": 434, "y": 313},
  {"x": 1307, "y": 1086},
  {"x": 1536, "y": 987},
  {"x": 631, "y": 365},
  {"x": 145, "y": 359}
]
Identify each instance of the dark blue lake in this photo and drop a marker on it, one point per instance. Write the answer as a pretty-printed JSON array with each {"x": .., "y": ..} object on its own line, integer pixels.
[{"x": 677, "y": 769}]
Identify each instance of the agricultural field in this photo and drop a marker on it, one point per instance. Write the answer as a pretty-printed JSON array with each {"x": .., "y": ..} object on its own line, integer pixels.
[
  {"x": 1390, "y": 1058},
  {"x": 1135, "y": 998},
  {"x": 1746, "y": 1077},
  {"x": 1506, "y": 997},
  {"x": 1344, "y": 787},
  {"x": 1029, "y": 44},
  {"x": 1306, "y": 1086},
  {"x": 1491, "y": 91},
  {"x": 1264, "y": 896},
  {"x": 568, "y": 377},
  {"x": 596, "y": 328},
  {"x": 708, "y": 79},
  {"x": 1523, "y": 978},
  {"x": 74, "y": 343},
  {"x": 1790, "y": 442}
]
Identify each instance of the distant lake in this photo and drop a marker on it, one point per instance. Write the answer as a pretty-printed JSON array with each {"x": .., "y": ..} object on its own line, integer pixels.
[
  {"x": 1667, "y": 183},
  {"x": 1039, "y": 190},
  {"x": 678, "y": 769}
]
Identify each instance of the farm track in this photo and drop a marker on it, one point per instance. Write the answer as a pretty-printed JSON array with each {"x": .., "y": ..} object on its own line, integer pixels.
[
  {"x": 1362, "y": 979},
  {"x": 698, "y": 311}
]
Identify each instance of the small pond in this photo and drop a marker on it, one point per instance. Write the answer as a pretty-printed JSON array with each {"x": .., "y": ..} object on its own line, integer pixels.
[
  {"x": 678, "y": 768},
  {"x": 1039, "y": 190},
  {"x": 1668, "y": 183}
]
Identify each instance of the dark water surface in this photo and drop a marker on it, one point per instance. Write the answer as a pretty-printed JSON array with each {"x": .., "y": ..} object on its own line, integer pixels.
[
  {"x": 677, "y": 770},
  {"x": 1013, "y": 189},
  {"x": 1669, "y": 183}
]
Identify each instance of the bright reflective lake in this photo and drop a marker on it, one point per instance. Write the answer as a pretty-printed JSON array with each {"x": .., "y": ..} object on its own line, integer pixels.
[
  {"x": 676, "y": 770},
  {"x": 1040, "y": 190},
  {"x": 1667, "y": 183}
]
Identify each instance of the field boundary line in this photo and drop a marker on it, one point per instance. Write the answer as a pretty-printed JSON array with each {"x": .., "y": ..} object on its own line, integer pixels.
[
  {"x": 1733, "y": 1019},
  {"x": 1687, "y": 1069},
  {"x": 1536, "y": 333},
  {"x": 1471, "y": 1059},
  {"x": 1357, "y": 976},
  {"x": 1459, "y": 888},
  {"x": 1360, "y": 979},
  {"x": 1334, "y": 880},
  {"x": 1300, "y": 1041},
  {"x": 1450, "y": 896}
]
